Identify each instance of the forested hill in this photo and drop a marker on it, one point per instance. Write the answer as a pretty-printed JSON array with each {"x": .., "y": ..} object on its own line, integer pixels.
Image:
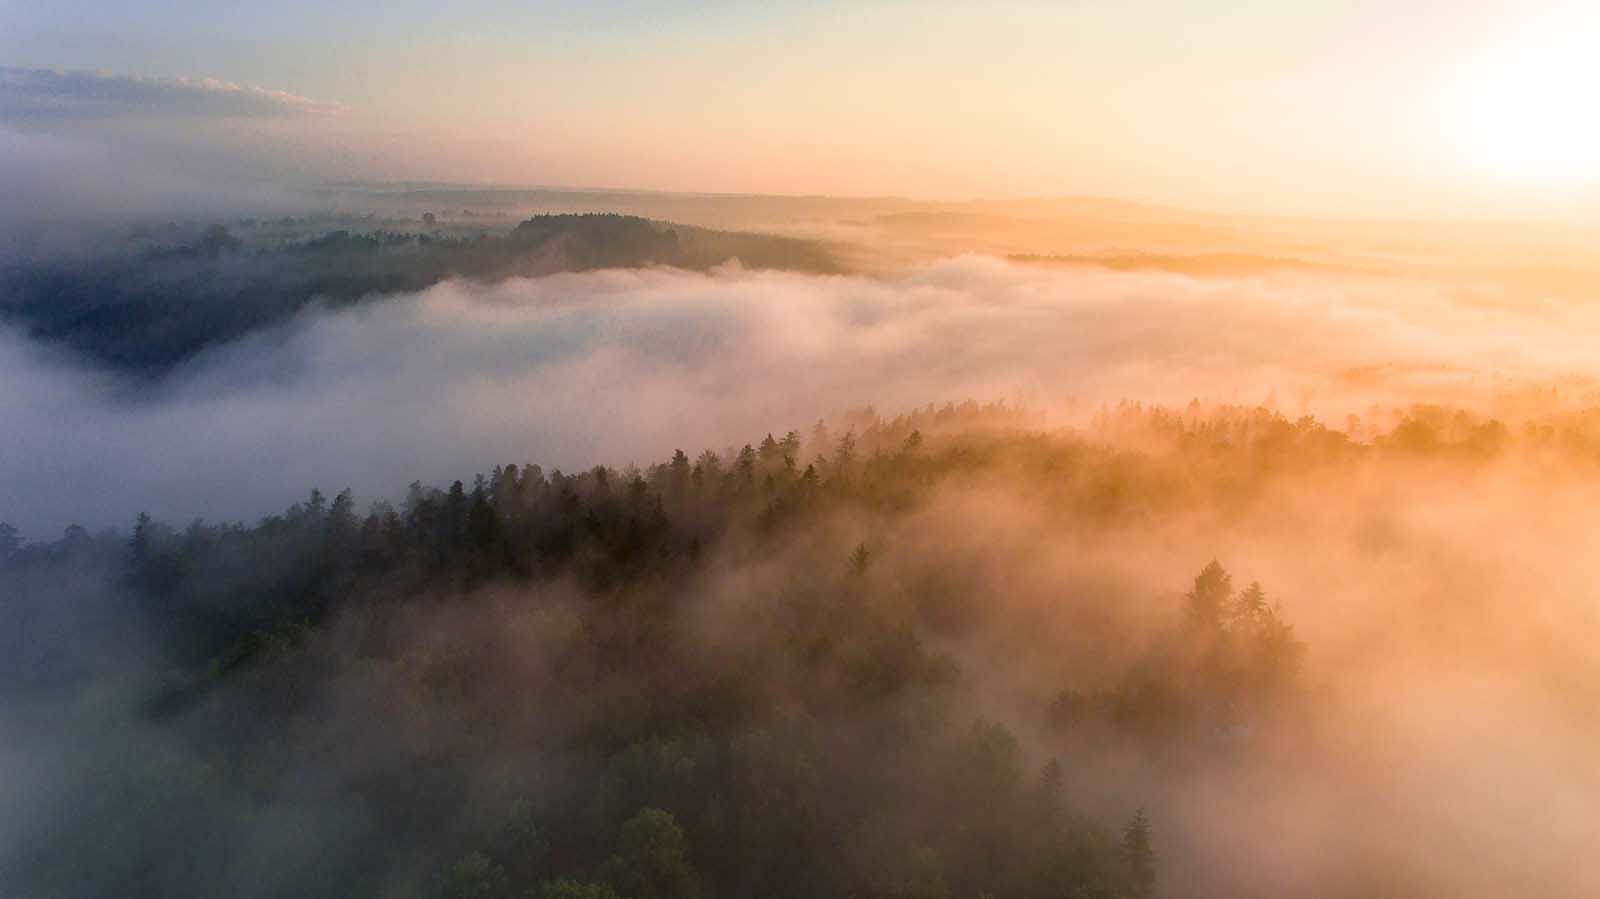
[
  {"x": 142, "y": 313},
  {"x": 742, "y": 673}
]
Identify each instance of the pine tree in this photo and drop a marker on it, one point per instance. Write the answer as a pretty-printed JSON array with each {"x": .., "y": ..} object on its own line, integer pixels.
[
  {"x": 1138, "y": 858},
  {"x": 139, "y": 544},
  {"x": 1251, "y": 607},
  {"x": 1205, "y": 604},
  {"x": 860, "y": 559}
]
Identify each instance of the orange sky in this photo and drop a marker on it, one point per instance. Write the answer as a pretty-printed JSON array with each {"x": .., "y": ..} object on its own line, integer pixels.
[{"x": 1304, "y": 106}]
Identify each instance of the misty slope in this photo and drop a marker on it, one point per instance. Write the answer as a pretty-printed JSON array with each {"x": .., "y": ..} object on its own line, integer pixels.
[
  {"x": 730, "y": 676},
  {"x": 145, "y": 313},
  {"x": 945, "y": 657}
]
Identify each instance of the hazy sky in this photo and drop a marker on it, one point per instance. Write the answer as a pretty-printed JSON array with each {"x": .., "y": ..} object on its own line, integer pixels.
[{"x": 1285, "y": 105}]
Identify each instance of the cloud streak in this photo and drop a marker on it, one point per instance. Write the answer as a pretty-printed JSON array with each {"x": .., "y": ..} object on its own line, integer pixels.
[{"x": 53, "y": 95}]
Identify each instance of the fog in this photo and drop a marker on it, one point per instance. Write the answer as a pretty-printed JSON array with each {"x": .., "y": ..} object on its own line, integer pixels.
[
  {"x": 1444, "y": 745},
  {"x": 625, "y": 366},
  {"x": 379, "y": 518},
  {"x": 84, "y": 153},
  {"x": 1440, "y": 741},
  {"x": 72, "y": 194}
]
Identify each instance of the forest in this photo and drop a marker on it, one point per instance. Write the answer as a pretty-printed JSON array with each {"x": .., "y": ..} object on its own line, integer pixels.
[
  {"x": 717, "y": 676},
  {"x": 799, "y": 450},
  {"x": 766, "y": 670},
  {"x": 978, "y": 649},
  {"x": 1082, "y": 648},
  {"x": 140, "y": 306}
]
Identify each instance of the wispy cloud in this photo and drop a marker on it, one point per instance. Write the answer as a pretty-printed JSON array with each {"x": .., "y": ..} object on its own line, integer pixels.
[{"x": 53, "y": 95}]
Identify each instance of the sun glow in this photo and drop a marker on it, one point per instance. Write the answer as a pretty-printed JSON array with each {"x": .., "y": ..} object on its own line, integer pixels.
[{"x": 1531, "y": 114}]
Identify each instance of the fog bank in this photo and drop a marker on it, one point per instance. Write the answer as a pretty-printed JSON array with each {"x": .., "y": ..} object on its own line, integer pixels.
[{"x": 620, "y": 366}]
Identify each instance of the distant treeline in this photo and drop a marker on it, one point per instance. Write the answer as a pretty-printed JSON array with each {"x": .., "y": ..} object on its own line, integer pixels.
[{"x": 145, "y": 312}]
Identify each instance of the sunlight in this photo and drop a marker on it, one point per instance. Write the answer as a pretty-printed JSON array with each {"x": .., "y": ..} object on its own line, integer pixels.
[
  {"x": 791, "y": 450},
  {"x": 1530, "y": 114}
]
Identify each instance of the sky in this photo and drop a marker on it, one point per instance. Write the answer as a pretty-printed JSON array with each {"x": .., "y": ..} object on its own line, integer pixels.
[
  {"x": 1321, "y": 107},
  {"x": 1451, "y": 607}
]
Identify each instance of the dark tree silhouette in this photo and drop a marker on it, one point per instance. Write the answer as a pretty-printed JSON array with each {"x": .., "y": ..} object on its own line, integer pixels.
[{"x": 1138, "y": 857}]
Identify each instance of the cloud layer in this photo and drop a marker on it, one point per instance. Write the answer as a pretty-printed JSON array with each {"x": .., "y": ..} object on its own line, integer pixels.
[
  {"x": 1444, "y": 741},
  {"x": 621, "y": 366}
]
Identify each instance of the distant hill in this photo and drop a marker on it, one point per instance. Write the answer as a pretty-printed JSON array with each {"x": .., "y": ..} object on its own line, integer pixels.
[{"x": 145, "y": 312}]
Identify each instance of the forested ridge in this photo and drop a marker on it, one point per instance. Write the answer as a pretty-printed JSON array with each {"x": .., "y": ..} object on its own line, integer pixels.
[
  {"x": 145, "y": 311},
  {"x": 752, "y": 671}
]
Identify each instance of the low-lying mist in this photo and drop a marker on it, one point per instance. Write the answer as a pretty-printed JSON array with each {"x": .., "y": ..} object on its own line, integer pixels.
[
  {"x": 619, "y": 366},
  {"x": 904, "y": 633},
  {"x": 929, "y": 651}
]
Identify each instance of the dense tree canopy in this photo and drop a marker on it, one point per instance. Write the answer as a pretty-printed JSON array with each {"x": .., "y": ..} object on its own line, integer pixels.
[
  {"x": 540, "y": 683},
  {"x": 144, "y": 312}
]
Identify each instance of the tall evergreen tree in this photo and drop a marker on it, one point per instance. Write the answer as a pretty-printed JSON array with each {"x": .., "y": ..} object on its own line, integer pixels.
[{"x": 1138, "y": 858}]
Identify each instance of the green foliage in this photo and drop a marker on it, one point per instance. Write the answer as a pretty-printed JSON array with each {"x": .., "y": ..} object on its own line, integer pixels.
[
  {"x": 1235, "y": 660},
  {"x": 145, "y": 313},
  {"x": 652, "y": 860},
  {"x": 559, "y": 693},
  {"x": 520, "y": 845},
  {"x": 475, "y": 876},
  {"x": 574, "y": 889},
  {"x": 919, "y": 876}
]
